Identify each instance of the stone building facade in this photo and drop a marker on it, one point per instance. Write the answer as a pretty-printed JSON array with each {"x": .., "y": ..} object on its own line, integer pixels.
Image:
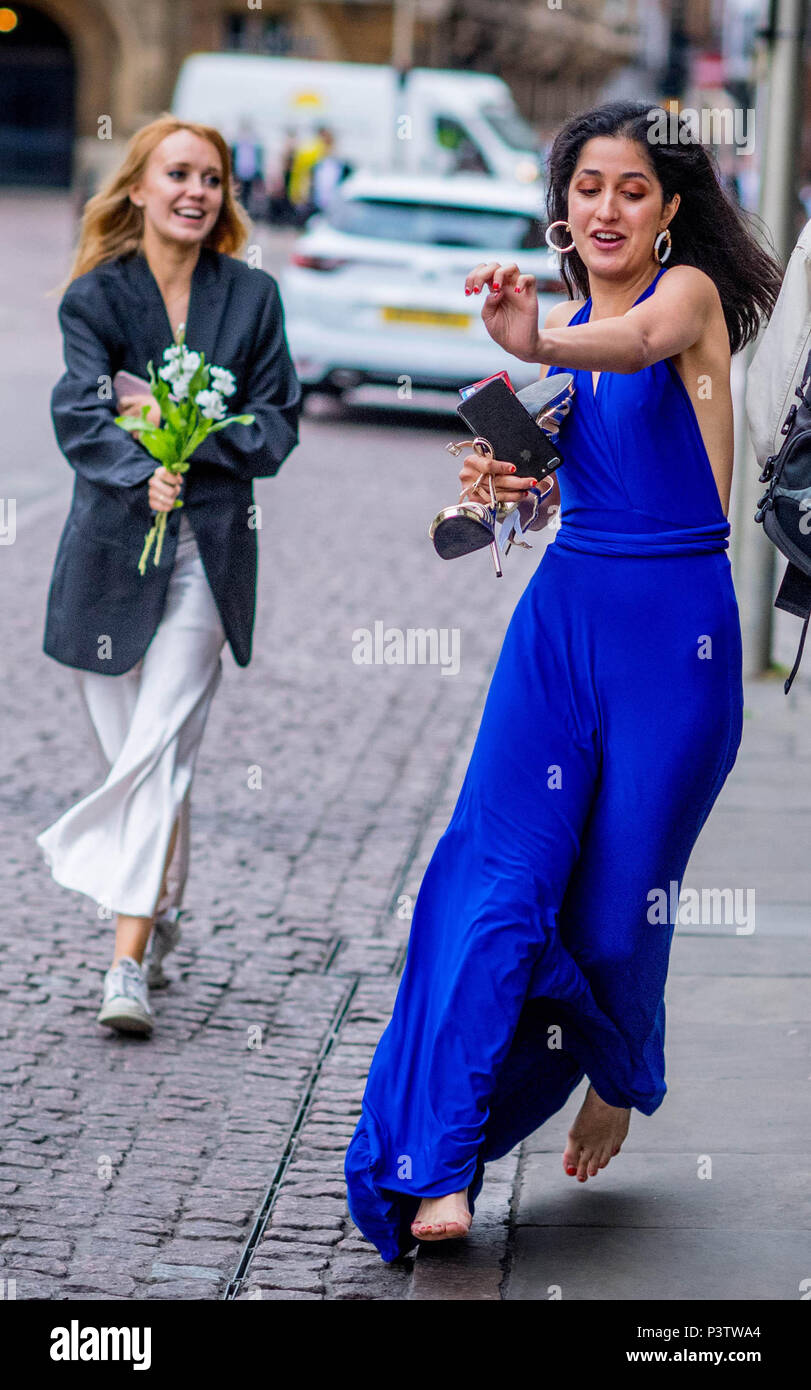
[
  {"x": 81, "y": 75},
  {"x": 77, "y": 77}
]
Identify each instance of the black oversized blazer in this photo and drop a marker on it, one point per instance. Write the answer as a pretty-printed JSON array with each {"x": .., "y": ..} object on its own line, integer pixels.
[{"x": 114, "y": 317}]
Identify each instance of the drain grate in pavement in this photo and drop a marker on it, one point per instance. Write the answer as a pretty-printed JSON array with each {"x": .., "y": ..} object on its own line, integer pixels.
[{"x": 235, "y": 1283}]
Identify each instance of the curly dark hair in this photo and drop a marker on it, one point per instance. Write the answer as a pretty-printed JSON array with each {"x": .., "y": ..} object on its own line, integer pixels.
[{"x": 708, "y": 230}]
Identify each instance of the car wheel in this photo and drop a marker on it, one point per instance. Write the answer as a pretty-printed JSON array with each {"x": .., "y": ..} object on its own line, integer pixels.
[{"x": 323, "y": 399}]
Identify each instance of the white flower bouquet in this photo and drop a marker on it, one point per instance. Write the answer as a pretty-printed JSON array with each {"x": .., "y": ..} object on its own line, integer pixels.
[{"x": 190, "y": 394}]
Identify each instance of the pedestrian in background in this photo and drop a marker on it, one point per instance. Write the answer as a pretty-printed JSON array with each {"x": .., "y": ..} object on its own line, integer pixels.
[
  {"x": 327, "y": 174},
  {"x": 276, "y": 208},
  {"x": 248, "y": 164},
  {"x": 159, "y": 247},
  {"x": 309, "y": 150}
]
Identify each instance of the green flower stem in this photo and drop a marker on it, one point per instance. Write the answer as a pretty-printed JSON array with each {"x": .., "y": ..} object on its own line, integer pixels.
[
  {"x": 160, "y": 532},
  {"x": 148, "y": 539}
]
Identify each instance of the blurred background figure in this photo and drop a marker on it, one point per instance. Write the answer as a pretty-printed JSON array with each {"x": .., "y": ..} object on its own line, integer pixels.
[
  {"x": 278, "y": 169},
  {"x": 247, "y": 156},
  {"x": 327, "y": 173},
  {"x": 309, "y": 152}
]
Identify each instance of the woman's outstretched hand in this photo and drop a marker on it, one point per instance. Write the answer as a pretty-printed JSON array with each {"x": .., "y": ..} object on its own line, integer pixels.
[{"x": 510, "y": 311}]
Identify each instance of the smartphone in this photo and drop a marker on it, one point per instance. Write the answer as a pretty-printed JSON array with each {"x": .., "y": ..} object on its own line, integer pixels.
[
  {"x": 125, "y": 384},
  {"x": 497, "y": 414}
]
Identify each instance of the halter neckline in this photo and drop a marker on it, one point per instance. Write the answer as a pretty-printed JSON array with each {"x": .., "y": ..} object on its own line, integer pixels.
[{"x": 648, "y": 288}]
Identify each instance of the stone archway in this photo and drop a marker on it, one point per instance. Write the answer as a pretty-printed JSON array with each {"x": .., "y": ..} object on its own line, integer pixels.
[
  {"x": 95, "y": 43},
  {"x": 105, "y": 53},
  {"x": 37, "y": 107},
  {"x": 125, "y": 70}
]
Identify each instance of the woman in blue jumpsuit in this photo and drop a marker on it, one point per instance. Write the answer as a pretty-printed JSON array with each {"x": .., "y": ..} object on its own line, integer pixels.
[{"x": 539, "y": 945}]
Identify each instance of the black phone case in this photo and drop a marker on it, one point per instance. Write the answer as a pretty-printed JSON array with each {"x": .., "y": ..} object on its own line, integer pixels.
[{"x": 496, "y": 413}]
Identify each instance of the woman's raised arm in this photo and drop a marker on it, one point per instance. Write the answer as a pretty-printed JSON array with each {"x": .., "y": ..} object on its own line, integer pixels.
[
  {"x": 664, "y": 324},
  {"x": 647, "y": 333}
]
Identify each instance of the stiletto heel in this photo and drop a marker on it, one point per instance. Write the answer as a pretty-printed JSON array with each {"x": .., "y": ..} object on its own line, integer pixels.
[{"x": 469, "y": 525}]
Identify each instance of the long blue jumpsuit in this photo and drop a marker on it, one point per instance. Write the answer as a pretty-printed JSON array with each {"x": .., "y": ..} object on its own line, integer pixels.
[{"x": 537, "y": 954}]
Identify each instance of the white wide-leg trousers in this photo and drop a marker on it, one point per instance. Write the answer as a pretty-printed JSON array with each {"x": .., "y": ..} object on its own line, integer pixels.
[{"x": 149, "y": 722}]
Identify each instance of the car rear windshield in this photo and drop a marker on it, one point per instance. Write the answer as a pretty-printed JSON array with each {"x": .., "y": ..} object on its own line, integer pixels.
[{"x": 435, "y": 224}]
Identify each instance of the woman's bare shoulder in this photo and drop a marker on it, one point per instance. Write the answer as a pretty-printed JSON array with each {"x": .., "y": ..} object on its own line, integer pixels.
[
  {"x": 562, "y": 313},
  {"x": 687, "y": 280}
]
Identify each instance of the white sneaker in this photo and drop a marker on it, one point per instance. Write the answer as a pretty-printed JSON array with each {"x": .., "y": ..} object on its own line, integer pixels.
[
  {"x": 126, "y": 999},
  {"x": 165, "y": 937}
]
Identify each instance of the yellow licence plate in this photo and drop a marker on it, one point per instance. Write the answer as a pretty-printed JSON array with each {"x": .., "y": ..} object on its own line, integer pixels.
[{"x": 427, "y": 316}]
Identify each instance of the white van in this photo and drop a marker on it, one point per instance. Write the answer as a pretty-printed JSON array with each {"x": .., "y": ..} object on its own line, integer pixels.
[{"x": 428, "y": 120}]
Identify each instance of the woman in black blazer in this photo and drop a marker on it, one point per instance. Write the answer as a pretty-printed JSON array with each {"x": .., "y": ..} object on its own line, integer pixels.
[{"x": 158, "y": 248}]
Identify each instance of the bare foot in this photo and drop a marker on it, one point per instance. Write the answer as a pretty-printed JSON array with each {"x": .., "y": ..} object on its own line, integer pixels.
[
  {"x": 595, "y": 1137},
  {"x": 442, "y": 1218}
]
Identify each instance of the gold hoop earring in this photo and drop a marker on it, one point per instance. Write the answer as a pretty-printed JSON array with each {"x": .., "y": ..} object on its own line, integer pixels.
[{"x": 552, "y": 247}]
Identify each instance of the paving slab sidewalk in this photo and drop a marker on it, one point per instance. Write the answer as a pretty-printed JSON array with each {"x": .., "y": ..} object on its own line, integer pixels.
[{"x": 711, "y": 1196}]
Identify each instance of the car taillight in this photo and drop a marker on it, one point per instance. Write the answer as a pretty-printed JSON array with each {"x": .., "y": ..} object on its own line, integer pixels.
[{"x": 317, "y": 262}]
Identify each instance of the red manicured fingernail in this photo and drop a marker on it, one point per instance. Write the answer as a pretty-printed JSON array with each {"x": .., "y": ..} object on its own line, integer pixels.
[
  {"x": 476, "y": 289},
  {"x": 496, "y": 287},
  {"x": 534, "y": 482},
  {"x": 512, "y": 467},
  {"x": 467, "y": 291},
  {"x": 517, "y": 289}
]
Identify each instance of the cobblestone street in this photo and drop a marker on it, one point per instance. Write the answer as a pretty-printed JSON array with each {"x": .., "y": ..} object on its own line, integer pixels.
[
  {"x": 141, "y": 1170},
  {"x": 207, "y": 1163}
]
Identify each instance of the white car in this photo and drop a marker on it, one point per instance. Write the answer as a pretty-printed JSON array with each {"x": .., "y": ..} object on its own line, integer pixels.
[{"x": 374, "y": 290}]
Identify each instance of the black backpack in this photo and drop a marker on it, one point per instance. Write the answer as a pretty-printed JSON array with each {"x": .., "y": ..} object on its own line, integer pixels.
[{"x": 785, "y": 510}]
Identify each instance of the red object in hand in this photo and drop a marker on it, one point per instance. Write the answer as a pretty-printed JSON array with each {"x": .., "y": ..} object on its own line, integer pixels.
[{"x": 469, "y": 390}]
